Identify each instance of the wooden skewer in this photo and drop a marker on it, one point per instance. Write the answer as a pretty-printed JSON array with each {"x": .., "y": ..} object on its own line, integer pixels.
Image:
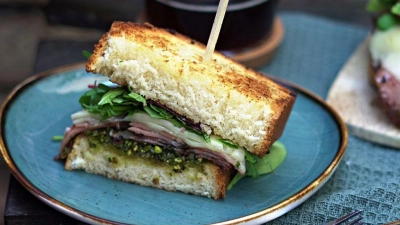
[{"x": 212, "y": 40}]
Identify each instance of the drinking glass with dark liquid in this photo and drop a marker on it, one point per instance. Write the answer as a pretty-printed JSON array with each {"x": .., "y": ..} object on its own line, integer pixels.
[{"x": 246, "y": 22}]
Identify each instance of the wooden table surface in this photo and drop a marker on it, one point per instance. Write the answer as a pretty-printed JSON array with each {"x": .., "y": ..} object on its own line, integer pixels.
[{"x": 22, "y": 207}]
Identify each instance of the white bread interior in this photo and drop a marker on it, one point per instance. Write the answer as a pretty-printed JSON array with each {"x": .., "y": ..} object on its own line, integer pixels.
[
  {"x": 238, "y": 103},
  {"x": 206, "y": 179}
]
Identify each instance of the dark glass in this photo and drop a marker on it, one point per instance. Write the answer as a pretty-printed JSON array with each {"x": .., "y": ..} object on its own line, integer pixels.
[{"x": 246, "y": 22}]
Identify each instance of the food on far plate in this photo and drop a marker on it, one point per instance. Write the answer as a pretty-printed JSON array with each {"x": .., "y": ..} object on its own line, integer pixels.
[
  {"x": 171, "y": 121},
  {"x": 384, "y": 48}
]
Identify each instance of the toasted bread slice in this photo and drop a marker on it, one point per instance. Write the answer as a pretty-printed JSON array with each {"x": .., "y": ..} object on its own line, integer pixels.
[
  {"x": 205, "y": 179},
  {"x": 238, "y": 103}
]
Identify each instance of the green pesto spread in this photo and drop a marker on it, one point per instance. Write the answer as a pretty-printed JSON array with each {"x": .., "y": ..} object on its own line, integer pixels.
[{"x": 127, "y": 147}]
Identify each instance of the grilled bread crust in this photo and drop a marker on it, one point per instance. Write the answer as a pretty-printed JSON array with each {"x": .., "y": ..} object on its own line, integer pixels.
[
  {"x": 206, "y": 179},
  {"x": 238, "y": 103}
]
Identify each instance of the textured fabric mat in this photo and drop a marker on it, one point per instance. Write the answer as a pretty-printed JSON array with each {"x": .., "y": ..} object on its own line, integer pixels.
[{"x": 312, "y": 53}]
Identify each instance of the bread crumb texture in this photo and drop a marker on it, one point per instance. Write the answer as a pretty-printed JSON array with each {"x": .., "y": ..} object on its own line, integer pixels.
[
  {"x": 206, "y": 180},
  {"x": 237, "y": 102}
]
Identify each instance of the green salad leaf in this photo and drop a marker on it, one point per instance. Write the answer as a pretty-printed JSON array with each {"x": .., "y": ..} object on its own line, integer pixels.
[
  {"x": 388, "y": 13},
  {"x": 86, "y": 54},
  {"x": 119, "y": 101},
  {"x": 228, "y": 143},
  {"x": 108, "y": 101},
  {"x": 255, "y": 166},
  {"x": 57, "y": 137},
  {"x": 396, "y": 9},
  {"x": 386, "y": 21},
  {"x": 109, "y": 96},
  {"x": 379, "y": 5}
]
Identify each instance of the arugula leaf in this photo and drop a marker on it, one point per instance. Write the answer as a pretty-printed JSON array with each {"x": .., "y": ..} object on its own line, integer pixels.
[
  {"x": 162, "y": 112},
  {"x": 136, "y": 97},
  {"x": 228, "y": 143},
  {"x": 256, "y": 166},
  {"x": 103, "y": 87},
  {"x": 109, "y": 102},
  {"x": 234, "y": 180},
  {"x": 251, "y": 170},
  {"x": 92, "y": 97},
  {"x": 110, "y": 96},
  {"x": 86, "y": 54},
  {"x": 206, "y": 137},
  {"x": 250, "y": 157},
  {"x": 177, "y": 123},
  {"x": 153, "y": 113}
]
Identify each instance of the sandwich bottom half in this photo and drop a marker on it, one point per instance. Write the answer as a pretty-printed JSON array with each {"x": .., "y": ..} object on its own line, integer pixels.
[{"x": 137, "y": 165}]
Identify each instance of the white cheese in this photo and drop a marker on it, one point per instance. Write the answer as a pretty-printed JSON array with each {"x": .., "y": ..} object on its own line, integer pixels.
[
  {"x": 385, "y": 49},
  {"x": 235, "y": 156}
]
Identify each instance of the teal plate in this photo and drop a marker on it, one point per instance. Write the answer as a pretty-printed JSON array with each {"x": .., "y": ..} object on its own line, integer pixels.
[{"x": 40, "y": 107}]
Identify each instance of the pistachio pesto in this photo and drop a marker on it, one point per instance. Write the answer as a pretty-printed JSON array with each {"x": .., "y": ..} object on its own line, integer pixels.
[{"x": 127, "y": 147}]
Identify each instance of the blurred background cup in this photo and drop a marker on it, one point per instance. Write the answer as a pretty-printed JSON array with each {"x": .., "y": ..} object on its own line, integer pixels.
[{"x": 247, "y": 22}]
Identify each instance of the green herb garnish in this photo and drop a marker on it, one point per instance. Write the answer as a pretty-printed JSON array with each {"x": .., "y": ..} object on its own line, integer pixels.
[
  {"x": 256, "y": 166},
  {"x": 86, "y": 54},
  {"x": 386, "y": 21},
  {"x": 57, "y": 137},
  {"x": 388, "y": 13},
  {"x": 109, "y": 102},
  {"x": 121, "y": 101},
  {"x": 228, "y": 143}
]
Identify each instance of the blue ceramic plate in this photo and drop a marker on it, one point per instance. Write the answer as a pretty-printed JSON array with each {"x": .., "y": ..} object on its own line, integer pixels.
[{"x": 40, "y": 108}]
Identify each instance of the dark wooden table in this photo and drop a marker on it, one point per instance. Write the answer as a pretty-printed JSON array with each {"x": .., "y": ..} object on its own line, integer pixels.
[{"x": 21, "y": 206}]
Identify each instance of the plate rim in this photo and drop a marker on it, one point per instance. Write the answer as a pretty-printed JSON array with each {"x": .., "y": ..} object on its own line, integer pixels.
[{"x": 261, "y": 216}]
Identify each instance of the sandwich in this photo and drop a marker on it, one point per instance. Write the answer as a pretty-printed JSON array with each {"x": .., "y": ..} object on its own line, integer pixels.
[
  {"x": 384, "y": 50},
  {"x": 169, "y": 120}
]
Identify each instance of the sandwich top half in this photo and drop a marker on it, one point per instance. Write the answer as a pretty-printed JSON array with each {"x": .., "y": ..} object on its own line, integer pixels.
[{"x": 224, "y": 98}]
